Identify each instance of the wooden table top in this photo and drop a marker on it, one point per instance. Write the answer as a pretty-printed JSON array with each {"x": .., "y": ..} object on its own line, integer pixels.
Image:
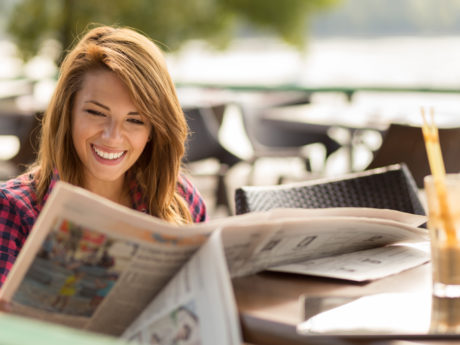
[{"x": 270, "y": 304}]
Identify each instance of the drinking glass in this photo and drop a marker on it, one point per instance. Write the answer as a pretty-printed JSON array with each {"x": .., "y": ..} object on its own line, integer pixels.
[{"x": 445, "y": 248}]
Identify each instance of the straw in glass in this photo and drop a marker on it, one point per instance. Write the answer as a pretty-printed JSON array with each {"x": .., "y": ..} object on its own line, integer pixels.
[{"x": 433, "y": 149}]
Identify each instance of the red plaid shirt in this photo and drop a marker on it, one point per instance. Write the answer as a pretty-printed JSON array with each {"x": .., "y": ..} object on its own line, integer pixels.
[{"x": 19, "y": 209}]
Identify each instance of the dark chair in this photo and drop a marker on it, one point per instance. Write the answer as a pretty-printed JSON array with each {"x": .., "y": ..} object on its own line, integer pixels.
[
  {"x": 405, "y": 144},
  {"x": 203, "y": 143},
  {"x": 277, "y": 138},
  {"x": 390, "y": 187},
  {"x": 26, "y": 128}
]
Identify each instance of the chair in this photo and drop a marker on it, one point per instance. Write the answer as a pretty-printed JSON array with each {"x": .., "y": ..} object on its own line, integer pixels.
[
  {"x": 405, "y": 144},
  {"x": 26, "y": 128},
  {"x": 277, "y": 138},
  {"x": 391, "y": 187},
  {"x": 203, "y": 143},
  {"x": 203, "y": 140}
]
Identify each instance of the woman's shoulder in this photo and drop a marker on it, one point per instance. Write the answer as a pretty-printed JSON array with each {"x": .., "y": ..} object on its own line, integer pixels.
[
  {"x": 193, "y": 198},
  {"x": 186, "y": 189},
  {"x": 19, "y": 190}
]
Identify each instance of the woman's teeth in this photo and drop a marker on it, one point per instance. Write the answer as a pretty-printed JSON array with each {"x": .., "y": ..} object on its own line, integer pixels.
[{"x": 107, "y": 155}]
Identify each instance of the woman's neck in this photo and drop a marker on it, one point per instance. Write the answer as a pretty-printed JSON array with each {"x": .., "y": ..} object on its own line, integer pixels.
[{"x": 115, "y": 191}]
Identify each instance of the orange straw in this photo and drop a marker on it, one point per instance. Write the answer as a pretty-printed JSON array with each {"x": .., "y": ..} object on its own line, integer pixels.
[{"x": 433, "y": 149}]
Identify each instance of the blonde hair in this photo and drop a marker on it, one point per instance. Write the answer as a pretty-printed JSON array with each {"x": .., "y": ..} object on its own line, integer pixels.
[{"x": 140, "y": 65}]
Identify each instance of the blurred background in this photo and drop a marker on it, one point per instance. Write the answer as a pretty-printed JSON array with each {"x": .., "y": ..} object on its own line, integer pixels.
[{"x": 274, "y": 91}]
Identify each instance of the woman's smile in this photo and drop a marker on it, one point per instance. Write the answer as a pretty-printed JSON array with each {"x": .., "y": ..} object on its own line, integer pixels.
[{"x": 108, "y": 156}]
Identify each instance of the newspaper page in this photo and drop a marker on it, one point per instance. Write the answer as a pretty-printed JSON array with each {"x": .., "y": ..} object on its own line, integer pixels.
[
  {"x": 250, "y": 249},
  {"x": 197, "y": 306},
  {"x": 410, "y": 219},
  {"x": 363, "y": 265},
  {"x": 95, "y": 265}
]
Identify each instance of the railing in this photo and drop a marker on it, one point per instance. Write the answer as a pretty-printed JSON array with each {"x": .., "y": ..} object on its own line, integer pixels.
[{"x": 349, "y": 91}]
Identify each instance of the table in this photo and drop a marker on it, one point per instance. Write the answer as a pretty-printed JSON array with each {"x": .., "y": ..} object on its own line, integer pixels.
[
  {"x": 357, "y": 118},
  {"x": 352, "y": 120},
  {"x": 270, "y": 308}
]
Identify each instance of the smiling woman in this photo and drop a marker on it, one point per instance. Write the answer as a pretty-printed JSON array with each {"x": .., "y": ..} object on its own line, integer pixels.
[
  {"x": 108, "y": 133},
  {"x": 113, "y": 126}
]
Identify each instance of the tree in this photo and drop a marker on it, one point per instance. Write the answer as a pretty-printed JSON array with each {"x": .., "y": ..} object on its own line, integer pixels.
[{"x": 169, "y": 22}]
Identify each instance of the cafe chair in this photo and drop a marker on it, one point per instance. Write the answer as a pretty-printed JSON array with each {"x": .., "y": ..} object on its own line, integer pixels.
[
  {"x": 26, "y": 128},
  {"x": 203, "y": 143},
  {"x": 276, "y": 138},
  {"x": 390, "y": 187},
  {"x": 405, "y": 144}
]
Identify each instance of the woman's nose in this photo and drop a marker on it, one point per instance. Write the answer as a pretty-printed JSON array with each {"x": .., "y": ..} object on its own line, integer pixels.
[{"x": 113, "y": 131}]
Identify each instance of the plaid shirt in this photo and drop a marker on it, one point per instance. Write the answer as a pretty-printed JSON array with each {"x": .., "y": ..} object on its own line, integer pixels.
[{"x": 19, "y": 209}]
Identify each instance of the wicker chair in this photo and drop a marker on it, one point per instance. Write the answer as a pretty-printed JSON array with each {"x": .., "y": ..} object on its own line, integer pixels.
[{"x": 390, "y": 187}]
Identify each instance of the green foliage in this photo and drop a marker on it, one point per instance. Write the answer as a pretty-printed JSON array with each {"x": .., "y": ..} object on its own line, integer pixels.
[
  {"x": 170, "y": 22},
  {"x": 288, "y": 18}
]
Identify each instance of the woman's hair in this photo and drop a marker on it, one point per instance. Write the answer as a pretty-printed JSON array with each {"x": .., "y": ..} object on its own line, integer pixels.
[{"x": 140, "y": 65}]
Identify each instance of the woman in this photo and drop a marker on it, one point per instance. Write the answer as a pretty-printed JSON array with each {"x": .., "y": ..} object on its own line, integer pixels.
[{"x": 113, "y": 126}]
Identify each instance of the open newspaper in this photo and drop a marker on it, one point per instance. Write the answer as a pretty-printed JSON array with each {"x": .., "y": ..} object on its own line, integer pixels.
[{"x": 95, "y": 265}]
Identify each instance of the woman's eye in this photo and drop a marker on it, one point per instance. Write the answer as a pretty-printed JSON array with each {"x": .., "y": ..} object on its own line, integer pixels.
[
  {"x": 94, "y": 112},
  {"x": 136, "y": 121}
]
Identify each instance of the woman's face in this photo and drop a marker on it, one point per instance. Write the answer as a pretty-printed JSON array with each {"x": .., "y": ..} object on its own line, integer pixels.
[{"x": 108, "y": 132}]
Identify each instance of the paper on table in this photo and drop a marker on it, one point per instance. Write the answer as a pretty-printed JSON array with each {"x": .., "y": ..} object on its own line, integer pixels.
[
  {"x": 386, "y": 313},
  {"x": 364, "y": 265}
]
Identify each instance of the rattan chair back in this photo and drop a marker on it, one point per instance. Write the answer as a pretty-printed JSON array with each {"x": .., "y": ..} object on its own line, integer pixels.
[{"x": 390, "y": 187}]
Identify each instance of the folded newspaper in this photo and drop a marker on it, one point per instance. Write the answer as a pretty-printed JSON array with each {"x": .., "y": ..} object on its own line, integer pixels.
[{"x": 95, "y": 265}]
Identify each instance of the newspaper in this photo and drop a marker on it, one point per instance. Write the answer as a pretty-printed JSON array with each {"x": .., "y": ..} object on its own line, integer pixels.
[
  {"x": 363, "y": 265},
  {"x": 181, "y": 313},
  {"x": 298, "y": 235},
  {"x": 92, "y": 264}
]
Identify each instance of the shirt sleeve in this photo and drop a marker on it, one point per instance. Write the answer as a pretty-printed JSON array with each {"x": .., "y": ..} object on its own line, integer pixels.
[
  {"x": 12, "y": 234},
  {"x": 194, "y": 200}
]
